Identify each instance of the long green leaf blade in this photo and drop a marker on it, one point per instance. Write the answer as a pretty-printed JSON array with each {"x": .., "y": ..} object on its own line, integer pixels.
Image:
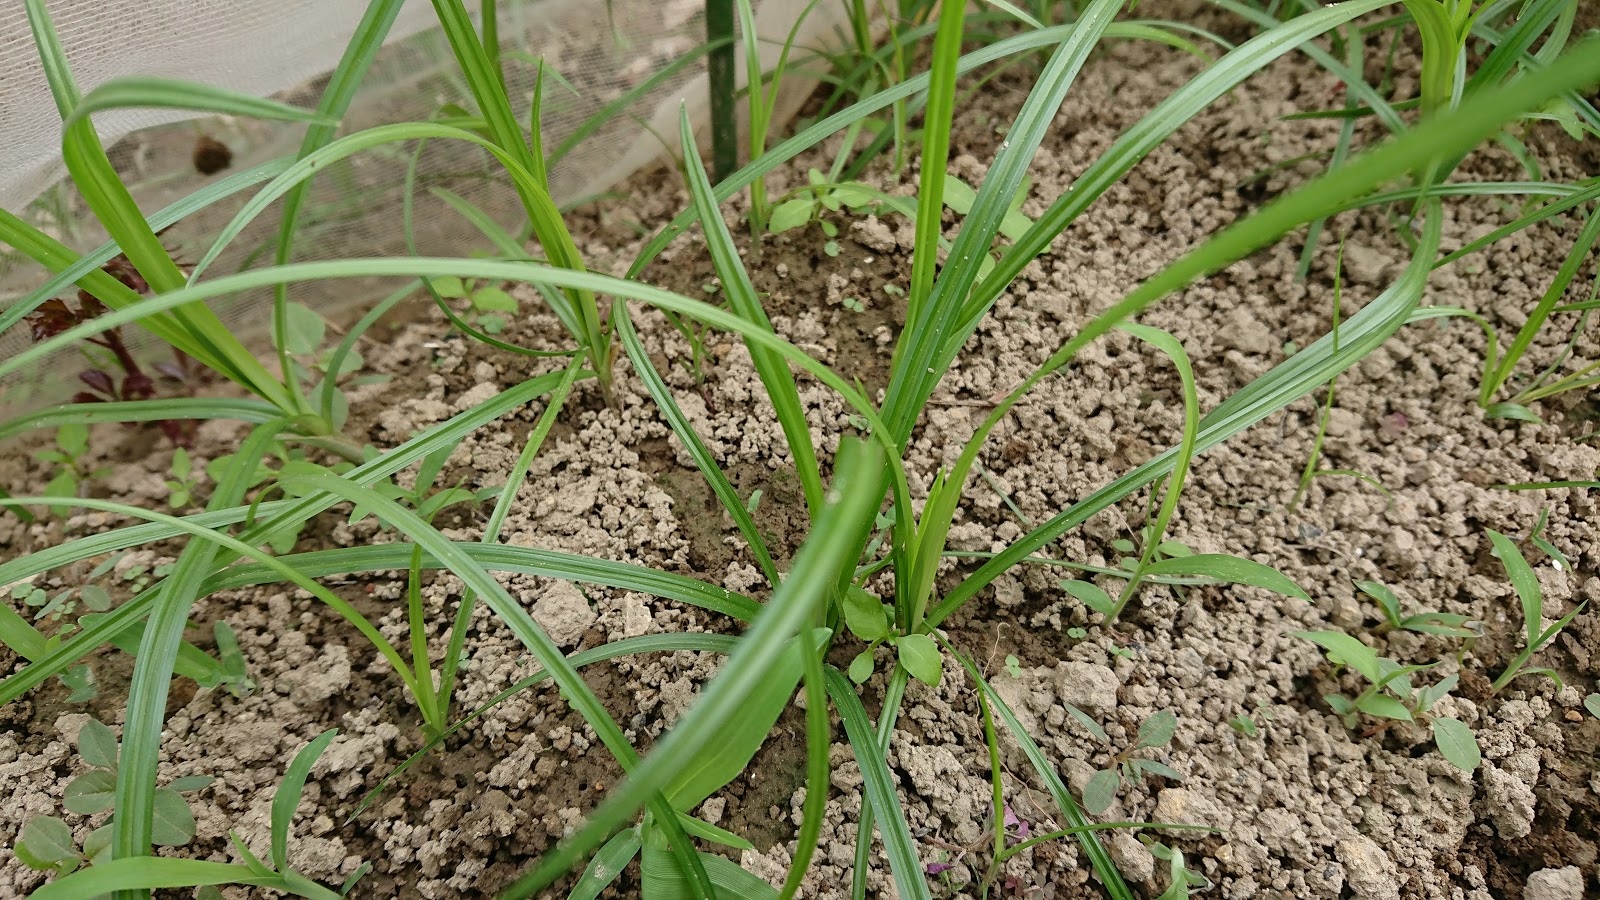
[{"x": 853, "y": 497}]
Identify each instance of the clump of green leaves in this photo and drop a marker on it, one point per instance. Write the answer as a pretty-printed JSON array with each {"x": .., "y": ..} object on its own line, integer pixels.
[
  {"x": 67, "y": 456},
  {"x": 489, "y": 304},
  {"x": 63, "y": 603},
  {"x": 1526, "y": 584},
  {"x": 424, "y": 496},
  {"x": 1395, "y": 618},
  {"x": 1155, "y": 731},
  {"x": 823, "y": 195},
  {"x": 872, "y": 620},
  {"x": 1391, "y": 697},
  {"x": 181, "y": 486},
  {"x": 46, "y": 842},
  {"x": 1246, "y": 724}
]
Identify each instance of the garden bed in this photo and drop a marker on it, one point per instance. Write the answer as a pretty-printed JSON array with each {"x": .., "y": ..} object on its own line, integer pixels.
[{"x": 1304, "y": 807}]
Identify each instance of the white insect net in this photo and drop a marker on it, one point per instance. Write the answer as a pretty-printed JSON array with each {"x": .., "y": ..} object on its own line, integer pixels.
[{"x": 594, "y": 52}]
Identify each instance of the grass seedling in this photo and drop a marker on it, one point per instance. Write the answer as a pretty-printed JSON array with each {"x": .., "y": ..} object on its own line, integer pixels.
[
  {"x": 783, "y": 642},
  {"x": 1531, "y": 596},
  {"x": 1394, "y": 618},
  {"x": 1390, "y": 697}
]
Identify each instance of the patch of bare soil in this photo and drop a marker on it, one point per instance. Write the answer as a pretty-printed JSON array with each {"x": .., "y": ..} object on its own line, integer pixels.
[{"x": 1305, "y": 808}]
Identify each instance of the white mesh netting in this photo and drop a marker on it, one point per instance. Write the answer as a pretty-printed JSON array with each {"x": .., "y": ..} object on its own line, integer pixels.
[{"x": 284, "y": 48}]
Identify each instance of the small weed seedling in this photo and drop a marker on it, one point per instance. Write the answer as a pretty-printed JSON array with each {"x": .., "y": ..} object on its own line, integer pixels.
[
  {"x": 1390, "y": 696},
  {"x": 72, "y": 443},
  {"x": 182, "y": 484},
  {"x": 63, "y": 603},
  {"x": 46, "y": 842},
  {"x": 1526, "y": 584},
  {"x": 1013, "y": 666},
  {"x": 1246, "y": 724},
  {"x": 490, "y": 304},
  {"x": 1181, "y": 879},
  {"x": 1444, "y": 624},
  {"x": 823, "y": 195},
  {"x": 1155, "y": 731},
  {"x": 872, "y": 620}
]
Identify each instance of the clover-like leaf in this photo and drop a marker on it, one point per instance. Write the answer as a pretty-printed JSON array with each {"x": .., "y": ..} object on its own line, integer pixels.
[
  {"x": 48, "y": 841},
  {"x": 173, "y": 823},
  {"x": 92, "y": 792}
]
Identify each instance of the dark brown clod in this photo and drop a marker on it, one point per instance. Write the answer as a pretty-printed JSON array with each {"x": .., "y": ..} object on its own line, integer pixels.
[{"x": 211, "y": 155}]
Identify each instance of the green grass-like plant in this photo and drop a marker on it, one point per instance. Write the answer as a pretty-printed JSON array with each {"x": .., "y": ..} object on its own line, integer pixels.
[{"x": 861, "y": 498}]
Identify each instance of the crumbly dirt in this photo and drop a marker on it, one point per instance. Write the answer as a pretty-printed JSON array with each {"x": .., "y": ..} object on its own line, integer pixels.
[{"x": 1305, "y": 808}]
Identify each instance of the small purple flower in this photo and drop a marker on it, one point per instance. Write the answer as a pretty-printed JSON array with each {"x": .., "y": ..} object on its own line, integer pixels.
[
  {"x": 939, "y": 868},
  {"x": 1012, "y": 822}
]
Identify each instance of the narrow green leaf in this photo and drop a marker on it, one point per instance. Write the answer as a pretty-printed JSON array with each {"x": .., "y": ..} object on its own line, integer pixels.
[
  {"x": 738, "y": 742},
  {"x": 1090, "y": 594},
  {"x": 167, "y": 93},
  {"x": 921, "y": 657},
  {"x": 1346, "y": 650},
  {"x": 1514, "y": 411},
  {"x": 1101, "y": 790},
  {"x": 779, "y": 382},
  {"x": 667, "y": 406},
  {"x": 287, "y": 798},
  {"x": 1457, "y": 743},
  {"x": 1524, "y": 581},
  {"x": 1385, "y": 598},
  {"x": 161, "y": 872},
  {"x": 606, "y": 865},
  {"x": 1091, "y": 725},
  {"x": 879, "y": 789},
  {"x": 1151, "y": 767},
  {"x": 662, "y": 879},
  {"x": 830, "y": 549},
  {"x": 1232, "y": 569},
  {"x": 274, "y": 514}
]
